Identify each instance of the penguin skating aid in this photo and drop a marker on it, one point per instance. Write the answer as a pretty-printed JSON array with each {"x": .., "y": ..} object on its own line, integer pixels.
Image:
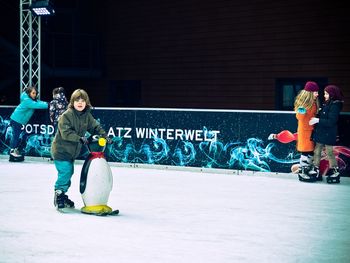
[{"x": 96, "y": 181}]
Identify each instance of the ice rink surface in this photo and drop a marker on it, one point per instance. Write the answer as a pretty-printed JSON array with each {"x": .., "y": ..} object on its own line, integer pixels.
[{"x": 174, "y": 216}]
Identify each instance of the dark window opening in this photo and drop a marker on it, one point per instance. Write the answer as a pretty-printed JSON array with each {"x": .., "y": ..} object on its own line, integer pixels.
[
  {"x": 288, "y": 88},
  {"x": 125, "y": 93}
]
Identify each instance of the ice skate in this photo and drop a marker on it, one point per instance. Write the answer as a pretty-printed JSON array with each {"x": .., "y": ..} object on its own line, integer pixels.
[
  {"x": 315, "y": 172},
  {"x": 16, "y": 156},
  {"x": 333, "y": 176},
  {"x": 303, "y": 175},
  {"x": 62, "y": 201}
]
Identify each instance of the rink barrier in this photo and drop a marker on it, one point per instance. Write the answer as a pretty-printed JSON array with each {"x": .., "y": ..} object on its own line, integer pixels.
[{"x": 198, "y": 138}]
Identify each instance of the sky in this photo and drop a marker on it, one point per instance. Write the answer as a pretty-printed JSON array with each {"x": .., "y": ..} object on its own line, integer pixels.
[{"x": 174, "y": 216}]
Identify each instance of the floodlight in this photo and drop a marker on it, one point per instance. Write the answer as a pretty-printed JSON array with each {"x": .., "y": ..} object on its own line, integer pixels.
[{"x": 42, "y": 8}]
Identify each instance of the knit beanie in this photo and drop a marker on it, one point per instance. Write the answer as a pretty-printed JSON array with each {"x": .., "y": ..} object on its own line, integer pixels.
[
  {"x": 334, "y": 92},
  {"x": 311, "y": 86}
]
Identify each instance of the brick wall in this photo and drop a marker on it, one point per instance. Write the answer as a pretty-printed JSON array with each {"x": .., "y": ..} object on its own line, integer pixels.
[{"x": 224, "y": 54}]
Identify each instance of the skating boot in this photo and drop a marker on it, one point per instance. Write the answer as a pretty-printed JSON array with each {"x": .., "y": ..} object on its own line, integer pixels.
[
  {"x": 333, "y": 176},
  {"x": 16, "y": 156},
  {"x": 67, "y": 202},
  {"x": 315, "y": 172},
  {"x": 62, "y": 201},
  {"x": 303, "y": 175}
]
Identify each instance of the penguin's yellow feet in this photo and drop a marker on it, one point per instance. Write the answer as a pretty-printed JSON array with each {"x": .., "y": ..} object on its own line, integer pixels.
[{"x": 96, "y": 209}]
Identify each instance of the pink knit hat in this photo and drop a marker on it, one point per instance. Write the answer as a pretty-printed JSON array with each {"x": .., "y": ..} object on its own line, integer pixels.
[
  {"x": 311, "y": 86},
  {"x": 334, "y": 92}
]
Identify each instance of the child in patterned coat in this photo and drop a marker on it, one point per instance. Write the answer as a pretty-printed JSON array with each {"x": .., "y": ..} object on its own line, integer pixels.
[{"x": 57, "y": 106}]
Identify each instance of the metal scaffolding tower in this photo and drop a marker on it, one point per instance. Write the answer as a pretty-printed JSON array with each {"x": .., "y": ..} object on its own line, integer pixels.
[{"x": 30, "y": 47}]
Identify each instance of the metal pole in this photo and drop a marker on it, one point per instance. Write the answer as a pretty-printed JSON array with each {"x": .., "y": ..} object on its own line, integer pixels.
[{"x": 30, "y": 38}]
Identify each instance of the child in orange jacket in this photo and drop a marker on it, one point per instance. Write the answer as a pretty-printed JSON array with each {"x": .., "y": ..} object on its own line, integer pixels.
[{"x": 306, "y": 107}]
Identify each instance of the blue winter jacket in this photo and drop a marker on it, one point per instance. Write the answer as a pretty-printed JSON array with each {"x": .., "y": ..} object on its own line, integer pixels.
[{"x": 24, "y": 111}]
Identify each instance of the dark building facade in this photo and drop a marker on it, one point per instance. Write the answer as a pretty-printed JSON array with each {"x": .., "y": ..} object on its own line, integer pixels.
[{"x": 196, "y": 53}]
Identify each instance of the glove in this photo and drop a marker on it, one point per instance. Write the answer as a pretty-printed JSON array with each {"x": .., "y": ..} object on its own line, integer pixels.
[
  {"x": 314, "y": 121},
  {"x": 272, "y": 136},
  {"x": 109, "y": 140},
  {"x": 83, "y": 140},
  {"x": 301, "y": 110}
]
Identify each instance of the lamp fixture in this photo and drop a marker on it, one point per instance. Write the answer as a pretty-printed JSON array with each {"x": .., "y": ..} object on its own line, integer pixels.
[{"x": 42, "y": 8}]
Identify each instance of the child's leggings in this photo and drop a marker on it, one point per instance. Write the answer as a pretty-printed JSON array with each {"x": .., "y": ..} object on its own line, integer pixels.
[
  {"x": 329, "y": 152},
  {"x": 65, "y": 171}
]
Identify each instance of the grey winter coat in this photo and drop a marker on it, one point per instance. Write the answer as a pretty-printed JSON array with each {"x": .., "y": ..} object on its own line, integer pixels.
[
  {"x": 73, "y": 125},
  {"x": 326, "y": 131}
]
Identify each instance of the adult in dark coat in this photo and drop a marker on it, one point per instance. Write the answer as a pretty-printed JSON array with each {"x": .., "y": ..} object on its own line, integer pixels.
[{"x": 326, "y": 128}]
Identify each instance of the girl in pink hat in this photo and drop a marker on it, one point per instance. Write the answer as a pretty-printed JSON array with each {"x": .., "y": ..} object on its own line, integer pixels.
[
  {"x": 306, "y": 106},
  {"x": 325, "y": 132}
]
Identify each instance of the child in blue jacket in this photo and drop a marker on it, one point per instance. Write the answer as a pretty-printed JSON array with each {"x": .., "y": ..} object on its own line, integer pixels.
[{"x": 20, "y": 117}]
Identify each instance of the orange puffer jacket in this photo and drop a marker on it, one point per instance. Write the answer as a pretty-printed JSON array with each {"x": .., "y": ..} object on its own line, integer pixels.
[{"x": 304, "y": 142}]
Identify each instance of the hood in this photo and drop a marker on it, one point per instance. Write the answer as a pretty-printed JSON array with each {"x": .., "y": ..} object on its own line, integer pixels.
[{"x": 60, "y": 97}]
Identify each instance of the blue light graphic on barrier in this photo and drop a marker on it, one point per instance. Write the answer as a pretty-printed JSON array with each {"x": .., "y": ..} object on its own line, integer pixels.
[
  {"x": 153, "y": 152},
  {"x": 119, "y": 152},
  {"x": 216, "y": 152},
  {"x": 184, "y": 153},
  {"x": 40, "y": 144},
  {"x": 210, "y": 153},
  {"x": 251, "y": 155},
  {"x": 6, "y": 132}
]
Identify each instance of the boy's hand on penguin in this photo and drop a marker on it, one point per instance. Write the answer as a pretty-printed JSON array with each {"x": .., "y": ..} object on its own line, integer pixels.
[
  {"x": 108, "y": 140},
  {"x": 83, "y": 140}
]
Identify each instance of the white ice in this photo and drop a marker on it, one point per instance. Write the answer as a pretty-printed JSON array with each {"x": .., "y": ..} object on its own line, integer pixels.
[{"x": 174, "y": 216}]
